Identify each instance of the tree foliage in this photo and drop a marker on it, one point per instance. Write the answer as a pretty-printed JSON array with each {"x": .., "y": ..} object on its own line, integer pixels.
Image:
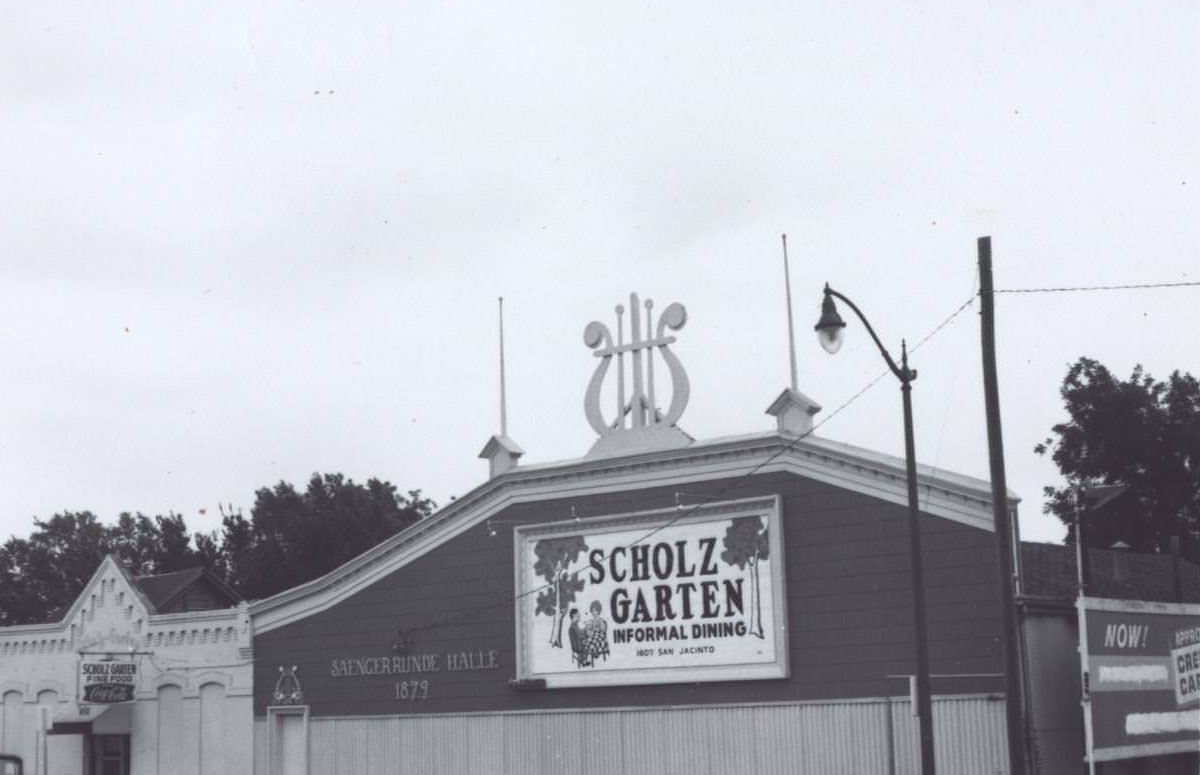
[
  {"x": 1138, "y": 432},
  {"x": 553, "y": 557},
  {"x": 746, "y": 544},
  {"x": 41, "y": 576},
  {"x": 290, "y": 538},
  {"x": 293, "y": 537}
]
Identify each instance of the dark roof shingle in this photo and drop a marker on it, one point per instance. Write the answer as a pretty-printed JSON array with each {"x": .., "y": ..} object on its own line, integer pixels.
[{"x": 163, "y": 588}]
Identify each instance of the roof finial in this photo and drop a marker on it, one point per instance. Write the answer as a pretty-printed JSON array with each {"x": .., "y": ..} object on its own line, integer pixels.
[
  {"x": 793, "y": 411},
  {"x": 501, "y": 452},
  {"x": 787, "y": 282},
  {"x": 647, "y": 429}
]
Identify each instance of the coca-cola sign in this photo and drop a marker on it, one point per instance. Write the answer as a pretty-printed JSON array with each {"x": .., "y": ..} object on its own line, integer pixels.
[{"x": 107, "y": 681}]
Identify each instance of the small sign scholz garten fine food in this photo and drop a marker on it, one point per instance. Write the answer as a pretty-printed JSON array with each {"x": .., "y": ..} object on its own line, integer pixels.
[
  {"x": 107, "y": 681},
  {"x": 677, "y": 595}
]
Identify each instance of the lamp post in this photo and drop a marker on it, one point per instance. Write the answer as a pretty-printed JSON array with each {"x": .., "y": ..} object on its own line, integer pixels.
[{"x": 830, "y": 329}]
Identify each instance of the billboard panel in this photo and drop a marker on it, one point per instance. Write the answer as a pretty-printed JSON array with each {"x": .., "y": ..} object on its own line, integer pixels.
[
  {"x": 1141, "y": 677},
  {"x": 666, "y": 596}
]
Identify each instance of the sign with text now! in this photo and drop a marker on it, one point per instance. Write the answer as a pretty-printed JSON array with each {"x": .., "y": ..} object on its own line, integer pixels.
[
  {"x": 669, "y": 596},
  {"x": 1141, "y": 661}
]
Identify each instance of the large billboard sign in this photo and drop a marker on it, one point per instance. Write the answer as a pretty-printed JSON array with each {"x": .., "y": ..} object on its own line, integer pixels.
[
  {"x": 107, "y": 681},
  {"x": 669, "y": 596},
  {"x": 1141, "y": 677}
]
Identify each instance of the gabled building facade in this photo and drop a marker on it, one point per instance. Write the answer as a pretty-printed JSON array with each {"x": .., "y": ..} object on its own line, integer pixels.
[
  {"x": 128, "y": 683},
  {"x": 660, "y": 604}
]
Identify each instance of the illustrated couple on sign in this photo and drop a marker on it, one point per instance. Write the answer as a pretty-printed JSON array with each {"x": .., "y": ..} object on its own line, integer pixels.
[{"x": 589, "y": 640}]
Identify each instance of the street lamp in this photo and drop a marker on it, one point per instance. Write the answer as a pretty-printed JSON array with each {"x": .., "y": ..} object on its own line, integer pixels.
[{"x": 830, "y": 329}]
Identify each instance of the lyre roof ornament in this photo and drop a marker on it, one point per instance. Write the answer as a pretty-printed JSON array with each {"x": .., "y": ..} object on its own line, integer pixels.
[{"x": 639, "y": 426}]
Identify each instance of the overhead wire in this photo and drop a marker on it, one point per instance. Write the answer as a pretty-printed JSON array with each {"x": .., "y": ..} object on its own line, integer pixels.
[
  {"x": 685, "y": 512},
  {"x": 738, "y": 481},
  {"x": 1085, "y": 288},
  {"x": 935, "y": 468}
]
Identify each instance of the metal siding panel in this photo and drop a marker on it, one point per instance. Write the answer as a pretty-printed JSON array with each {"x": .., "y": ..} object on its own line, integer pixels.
[
  {"x": 450, "y": 732},
  {"x": 602, "y": 742},
  {"x": 412, "y": 747},
  {"x": 559, "y": 735},
  {"x": 907, "y": 737},
  {"x": 827, "y": 738},
  {"x": 728, "y": 740},
  {"x": 691, "y": 747},
  {"x": 816, "y": 753},
  {"x": 323, "y": 753},
  {"x": 773, "y": 736},
  {"x": 384, "y": 753},
  {"x": 676, "y": 739},
  {"x": 485, "y": 745},
  {"x": 520, "y": 744},
  {"x": 642, "y": 751},
  {"x": 355, "y": 752},
  {"x": 971, "y": 734}
]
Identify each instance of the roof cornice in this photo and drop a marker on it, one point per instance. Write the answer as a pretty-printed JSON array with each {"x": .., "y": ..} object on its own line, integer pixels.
[{"x": 955, "y": 497}]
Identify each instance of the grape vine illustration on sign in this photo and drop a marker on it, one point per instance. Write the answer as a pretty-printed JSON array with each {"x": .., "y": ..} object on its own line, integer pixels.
[
  {"x": 554, "y": 557},
  {"x": 745, "y": 545}
]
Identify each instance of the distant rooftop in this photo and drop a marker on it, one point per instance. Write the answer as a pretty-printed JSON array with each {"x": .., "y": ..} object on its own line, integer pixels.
[
  {"x": 194, "y": 589},
  {"x": 1048, "y": 572}
]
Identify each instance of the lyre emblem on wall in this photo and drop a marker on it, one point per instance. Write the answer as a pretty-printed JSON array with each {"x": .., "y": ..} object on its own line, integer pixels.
[
  {"x": 287, "y": 688},
  {"x": 639, "y": 424}
]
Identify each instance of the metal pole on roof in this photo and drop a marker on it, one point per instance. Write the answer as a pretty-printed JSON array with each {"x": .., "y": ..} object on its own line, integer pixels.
[
  {"x": 787, "y": 282},
  {"x": 1015, "y": 705},
  {"x": 503, "y": 398}
]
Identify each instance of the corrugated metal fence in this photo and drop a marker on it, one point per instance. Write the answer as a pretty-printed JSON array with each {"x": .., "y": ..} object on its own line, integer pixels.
[{"x": 820, "y": 738}]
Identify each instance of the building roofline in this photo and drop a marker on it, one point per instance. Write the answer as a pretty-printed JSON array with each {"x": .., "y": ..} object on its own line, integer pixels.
[{"x": 952, "y": 496}]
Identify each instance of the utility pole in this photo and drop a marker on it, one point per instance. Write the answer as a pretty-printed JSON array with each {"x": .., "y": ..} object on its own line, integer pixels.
[{"x": 1014, "y": 707}]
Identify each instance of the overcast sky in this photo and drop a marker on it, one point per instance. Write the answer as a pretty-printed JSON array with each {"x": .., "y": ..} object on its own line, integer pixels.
[{"x": 243, "y": 242}]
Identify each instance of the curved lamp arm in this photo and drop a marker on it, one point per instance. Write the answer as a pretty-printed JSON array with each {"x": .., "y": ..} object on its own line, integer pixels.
[{"x": 902, "y": 372}]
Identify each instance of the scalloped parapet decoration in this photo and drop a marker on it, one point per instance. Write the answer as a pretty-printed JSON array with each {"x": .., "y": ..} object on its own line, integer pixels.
[{"x": 639, "y": 425}]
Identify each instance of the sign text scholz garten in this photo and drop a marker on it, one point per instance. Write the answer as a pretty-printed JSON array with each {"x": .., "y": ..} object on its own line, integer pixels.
[
  {"x": 107, "y": 680},
  {"x": 675, "y": 595}
]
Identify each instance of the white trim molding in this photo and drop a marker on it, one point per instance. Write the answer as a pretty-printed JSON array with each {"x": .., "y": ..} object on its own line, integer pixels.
[{"x": 951, "y": 496}]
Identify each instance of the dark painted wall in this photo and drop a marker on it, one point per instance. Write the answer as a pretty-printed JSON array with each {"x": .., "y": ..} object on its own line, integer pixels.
[{"x": 848, "y": 597}]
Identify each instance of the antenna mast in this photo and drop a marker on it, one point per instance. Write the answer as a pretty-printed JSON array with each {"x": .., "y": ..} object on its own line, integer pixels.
[
  {"x": 787, "y": 281},
  {"x": 503, "y": 402}
]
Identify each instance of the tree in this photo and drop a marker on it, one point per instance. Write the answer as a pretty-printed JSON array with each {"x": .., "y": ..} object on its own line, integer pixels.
[
  {"x": 745, "y": 545},
  {"x": 293, "y": 537},
  {"x": 1140, "y": 433},
  {"x": 41, "y": 576},
  {"x": 554, "y": 557}
]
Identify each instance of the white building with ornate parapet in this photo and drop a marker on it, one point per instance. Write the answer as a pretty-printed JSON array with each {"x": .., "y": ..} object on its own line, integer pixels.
[{"x": 144, "y": 676}]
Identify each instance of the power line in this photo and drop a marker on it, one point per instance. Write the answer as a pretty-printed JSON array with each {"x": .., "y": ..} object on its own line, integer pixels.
[
  {"x": 970, "y": 300},
  {"x": 786, "y": 448},
  {"x": 1084, "y": 288}
]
